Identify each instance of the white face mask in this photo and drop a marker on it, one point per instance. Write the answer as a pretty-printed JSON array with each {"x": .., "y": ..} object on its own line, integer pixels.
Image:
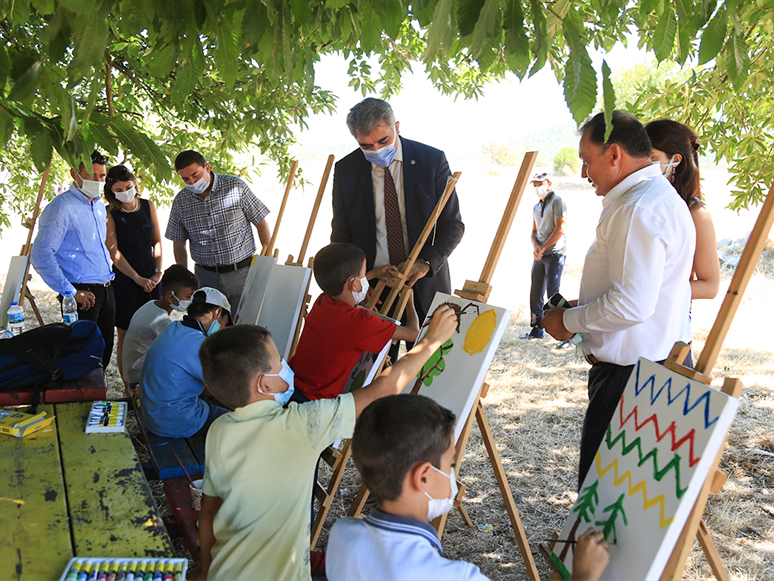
[
  {"x": 126, "y": 196},
  {"x": 181, "y": 306},
  {"x": 360, "y": 295},
  {"x": 668, "y": 169},
  {"x": 200, "y": 186},
  {"x": 92, "y": 188},
  {"x": 437, "y": 507},
  {"x": 542, "y": 191}
]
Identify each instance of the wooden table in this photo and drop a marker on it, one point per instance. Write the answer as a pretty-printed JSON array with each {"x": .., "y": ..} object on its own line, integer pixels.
[
  {"x": 64, "y": 493},
  {"x": 90, "y": 387}
]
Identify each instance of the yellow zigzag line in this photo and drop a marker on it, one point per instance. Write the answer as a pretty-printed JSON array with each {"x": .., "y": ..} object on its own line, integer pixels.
[{"x": 641, "y": 486}]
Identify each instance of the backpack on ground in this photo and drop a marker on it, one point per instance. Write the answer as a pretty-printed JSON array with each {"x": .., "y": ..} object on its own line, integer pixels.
[{"x": 50, "y": 354}]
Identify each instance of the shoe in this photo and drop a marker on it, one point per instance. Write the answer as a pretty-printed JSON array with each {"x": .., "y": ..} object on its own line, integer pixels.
[
  {"x": 535, "y": 333},
  {"x": 563, "y": 345}
]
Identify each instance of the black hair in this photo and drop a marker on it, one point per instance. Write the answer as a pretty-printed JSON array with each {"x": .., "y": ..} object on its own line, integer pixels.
[
  {"x": 672, "y": 137},
  {"x": 627, "y": 132},
  {"x": 396, "y": 433},
  {"x": 98, "y": 158},
  {"x": 178, "y": 277},
  {"x": 200, "y": 307},
  {"x": 188, "y": 157},
  {"x": 231, "y": 358},
  {"x": 117, "y": 173},
  {"x": 335, "y": 264}
]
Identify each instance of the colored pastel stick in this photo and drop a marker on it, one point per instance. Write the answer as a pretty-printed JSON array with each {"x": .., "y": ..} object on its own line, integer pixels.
[
  {"x": 103, "y": 571},
  {"x": 121, "y": 575},
  {"x": 168, "y": 572},
  {"x": 74, "y": 570},
  {"x": 148, "y": 571},
  {"x": 139, "y": 571},
  {"x": 112, "y": 571},
  {"x": 130, "y": 568},
  {"x": 84, "y": 574},
  {"x": 178, "y": 572},
  {"x": 94, "y": 572}
]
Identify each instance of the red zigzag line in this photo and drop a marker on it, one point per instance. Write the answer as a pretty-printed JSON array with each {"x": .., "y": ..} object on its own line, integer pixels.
[{"x": 660, "y": 436}]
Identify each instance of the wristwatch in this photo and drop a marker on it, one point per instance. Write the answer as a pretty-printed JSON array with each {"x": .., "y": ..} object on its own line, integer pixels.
[
  {"x": 425, "y": 262},
  {"x": 157, "y": 270}
]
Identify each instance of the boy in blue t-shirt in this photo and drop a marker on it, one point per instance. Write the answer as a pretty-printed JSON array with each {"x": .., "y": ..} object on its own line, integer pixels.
[
  {"x": 403, "y": 447},
  {"x": 170, "y": 391}
]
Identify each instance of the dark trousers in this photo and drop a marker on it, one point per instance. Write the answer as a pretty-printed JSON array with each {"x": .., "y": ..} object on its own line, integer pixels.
[
  {"x": 546, "y": 275},
  {"x": 103, "y": 313},
  {"x": 607, "y": 382}
]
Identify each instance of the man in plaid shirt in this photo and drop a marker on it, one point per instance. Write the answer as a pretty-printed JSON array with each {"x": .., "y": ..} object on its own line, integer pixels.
[{"x": 214, "y": 213}]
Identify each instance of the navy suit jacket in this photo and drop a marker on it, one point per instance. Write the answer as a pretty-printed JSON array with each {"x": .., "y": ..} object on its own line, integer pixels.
[{"x": 425, "y": 171}]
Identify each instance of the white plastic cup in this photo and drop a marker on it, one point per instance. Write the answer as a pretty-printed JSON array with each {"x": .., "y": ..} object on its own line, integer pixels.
[{"x": 196, "y": 495}]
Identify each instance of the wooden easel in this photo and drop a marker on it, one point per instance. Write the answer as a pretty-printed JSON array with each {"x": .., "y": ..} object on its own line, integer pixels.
[
  {"x": 27, "y": 248},
  {"x": 694, "y": 526},
  {"x": 337, "y": 459},
  {"x": 304, "y": 245},
  {"x": 269, "y": 248}
]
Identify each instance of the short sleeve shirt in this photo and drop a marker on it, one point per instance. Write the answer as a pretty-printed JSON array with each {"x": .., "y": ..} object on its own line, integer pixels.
[
  {"x": 147, "y": 323},
  {"x": 260, "y": 462},
  {"x": 545, "y": 214},
  {"x": 218, "y": 226},
  {"x": 335, "y": 335}
]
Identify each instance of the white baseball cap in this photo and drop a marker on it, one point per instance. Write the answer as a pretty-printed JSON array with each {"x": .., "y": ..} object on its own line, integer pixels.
[{"x": 212, "y": 296}]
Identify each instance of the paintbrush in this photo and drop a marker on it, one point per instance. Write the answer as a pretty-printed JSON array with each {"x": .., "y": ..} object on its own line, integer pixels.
[{"x": 190, "y": 481}]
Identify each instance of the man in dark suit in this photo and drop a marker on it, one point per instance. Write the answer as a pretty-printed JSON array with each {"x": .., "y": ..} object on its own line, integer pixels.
[{"x": 383, "y": 194}]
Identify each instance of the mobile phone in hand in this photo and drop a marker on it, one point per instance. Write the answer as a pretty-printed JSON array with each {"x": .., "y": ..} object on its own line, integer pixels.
[{"x": 556, "y": 301}]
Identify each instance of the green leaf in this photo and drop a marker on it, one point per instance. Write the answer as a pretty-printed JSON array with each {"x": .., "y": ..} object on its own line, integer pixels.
[
  {"x": 5, "y": 67},
  {"x": 80, "y": 6},
  {"x": 516, "y": 41},
  {"x": 90, "y": 41},
  {"x": 25, "y": 84},
  {"x": 441, "y": 33},
  {"x": 484, "y": 29},
  {"x": 467, "y": 15},
  {"x": 714, "y": 36},
  {"x": 580, "y": 80},
  {"x": 100, "y": 135},
  {"x": 301, "y": 11},
  {"x": 161, "y": 59},
  {"x": 684, "y": 45},
  {"x": 185, "y": 81},
  {"x": 41, "y": 148},
  {"x": 335, "y": 4},
  {"x": 370, "y": 28},
  {"x": 226, "y": 54},
  {"x": 540, "y": 48},
  {"x": 44, "y": 6},
  {"x": 20, "y": 13},
  {"x": 664, "y": 35},
  {"x": 608, "y": 98},
  {"x": 736, "y": 58}
]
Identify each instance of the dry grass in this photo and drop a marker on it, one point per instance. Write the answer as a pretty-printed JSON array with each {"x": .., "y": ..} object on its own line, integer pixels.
[{"x": 535, "y": 407}]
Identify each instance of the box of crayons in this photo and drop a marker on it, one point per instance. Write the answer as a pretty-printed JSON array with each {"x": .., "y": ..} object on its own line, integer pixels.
[
  {"x": 86, "y": 569},
  {"x": 106, "y": 416},
  {"x": 20, "y": 424}
]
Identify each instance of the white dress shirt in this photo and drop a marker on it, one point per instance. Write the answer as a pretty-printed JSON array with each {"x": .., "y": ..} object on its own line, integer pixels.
[
  {"x": 635, "y": 291},
  {"x": 377, "y": 177}
]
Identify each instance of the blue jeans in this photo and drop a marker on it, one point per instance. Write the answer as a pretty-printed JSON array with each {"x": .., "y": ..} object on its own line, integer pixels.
[{"x": 546, "y": 274}]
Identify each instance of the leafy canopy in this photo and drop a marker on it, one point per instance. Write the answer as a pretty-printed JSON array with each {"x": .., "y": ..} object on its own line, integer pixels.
[{"x": 145, "y": 79}]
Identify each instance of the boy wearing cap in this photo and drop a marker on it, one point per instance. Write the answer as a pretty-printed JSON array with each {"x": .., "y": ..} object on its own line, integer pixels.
[
  {"x": 171, "y": 390},
  {"x": 548, "y": 248}
]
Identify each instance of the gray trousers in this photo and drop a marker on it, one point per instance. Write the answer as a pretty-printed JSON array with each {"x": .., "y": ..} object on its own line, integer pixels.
[{"x": 229, "y": 283}]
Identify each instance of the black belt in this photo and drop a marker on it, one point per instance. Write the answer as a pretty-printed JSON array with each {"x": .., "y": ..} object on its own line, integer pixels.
[
  {"x": 223, "y": 268},
  {"x": 88, "y": 285},
  {"x": 591, "y": 360}
]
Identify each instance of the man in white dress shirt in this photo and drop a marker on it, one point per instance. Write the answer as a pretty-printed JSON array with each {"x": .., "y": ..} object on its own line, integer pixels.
[{"x": 635, "y": 291}]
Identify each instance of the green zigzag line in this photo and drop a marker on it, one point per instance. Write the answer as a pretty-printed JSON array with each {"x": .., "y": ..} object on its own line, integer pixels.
[{"x": 658, "y": 474}]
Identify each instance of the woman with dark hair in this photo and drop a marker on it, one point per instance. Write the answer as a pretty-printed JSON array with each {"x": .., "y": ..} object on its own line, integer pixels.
[
  {"x": 676, "y": 149},
  {"x": 134, "y": 243}
]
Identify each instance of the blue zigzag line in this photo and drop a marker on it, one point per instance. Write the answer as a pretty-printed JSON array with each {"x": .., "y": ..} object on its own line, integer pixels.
[{"x": 687, "y": 407}]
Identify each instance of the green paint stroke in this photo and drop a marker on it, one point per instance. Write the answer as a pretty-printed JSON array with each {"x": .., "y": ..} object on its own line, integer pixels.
[
  {"x": 586, "y": 504},
  {"x": 658, "y": 474},
  {"x": 608, "y": 526}
]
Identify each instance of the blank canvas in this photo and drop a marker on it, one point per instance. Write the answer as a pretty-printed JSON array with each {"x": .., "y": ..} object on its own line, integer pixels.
[
  {"x": 281, "y": 308},
  {"x": 455, "y": 377},
  {"x": 254, "y": 292},
  {"x": 649, "y": 470},
  {"x": 13, "y": 283}
]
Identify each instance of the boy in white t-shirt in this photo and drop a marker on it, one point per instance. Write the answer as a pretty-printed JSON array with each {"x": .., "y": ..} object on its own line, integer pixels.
[
  {"x": 403, "y": 447},
  {"x": 177, "y": 286}
]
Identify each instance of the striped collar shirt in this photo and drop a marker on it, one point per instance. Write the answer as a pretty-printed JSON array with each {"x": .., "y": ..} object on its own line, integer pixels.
[{"x": 218, "y": 225}]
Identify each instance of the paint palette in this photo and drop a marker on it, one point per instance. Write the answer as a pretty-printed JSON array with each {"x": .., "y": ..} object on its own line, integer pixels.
[{"x": 86, "y": 569}]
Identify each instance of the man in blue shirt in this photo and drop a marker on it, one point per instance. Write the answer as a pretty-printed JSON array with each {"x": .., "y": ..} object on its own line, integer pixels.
[
  {"x": 172, "y": 385},
  {"x": 69, "y": 252}
]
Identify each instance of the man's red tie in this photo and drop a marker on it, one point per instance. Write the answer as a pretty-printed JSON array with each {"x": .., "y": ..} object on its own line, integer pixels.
[{"x": 395, "y": 245}]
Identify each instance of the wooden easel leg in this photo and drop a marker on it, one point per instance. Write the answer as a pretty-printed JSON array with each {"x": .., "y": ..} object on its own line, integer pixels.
[
  {"x": 505, "y": 491},
  {"x": 359, "y": 502},
  {"x": 333, "y": 486},
  {"x": 713, "y": 557},
  {"x": 28, "y": 295}
]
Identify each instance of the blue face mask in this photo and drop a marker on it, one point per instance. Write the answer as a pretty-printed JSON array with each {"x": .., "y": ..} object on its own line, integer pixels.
[
  {"x": 214, "y": 327},
  {"x": 381, "y": 157},
  {"x": 286, "y": 374}
]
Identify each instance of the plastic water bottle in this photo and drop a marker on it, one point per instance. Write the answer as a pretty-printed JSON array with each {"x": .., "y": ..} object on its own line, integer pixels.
[
  {"x": 16, "y": 319},
  {"x": 69, "y": 308}
]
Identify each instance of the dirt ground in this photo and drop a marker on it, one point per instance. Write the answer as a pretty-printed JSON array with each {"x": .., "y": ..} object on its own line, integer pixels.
[{"x": 538, "y": 397}]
